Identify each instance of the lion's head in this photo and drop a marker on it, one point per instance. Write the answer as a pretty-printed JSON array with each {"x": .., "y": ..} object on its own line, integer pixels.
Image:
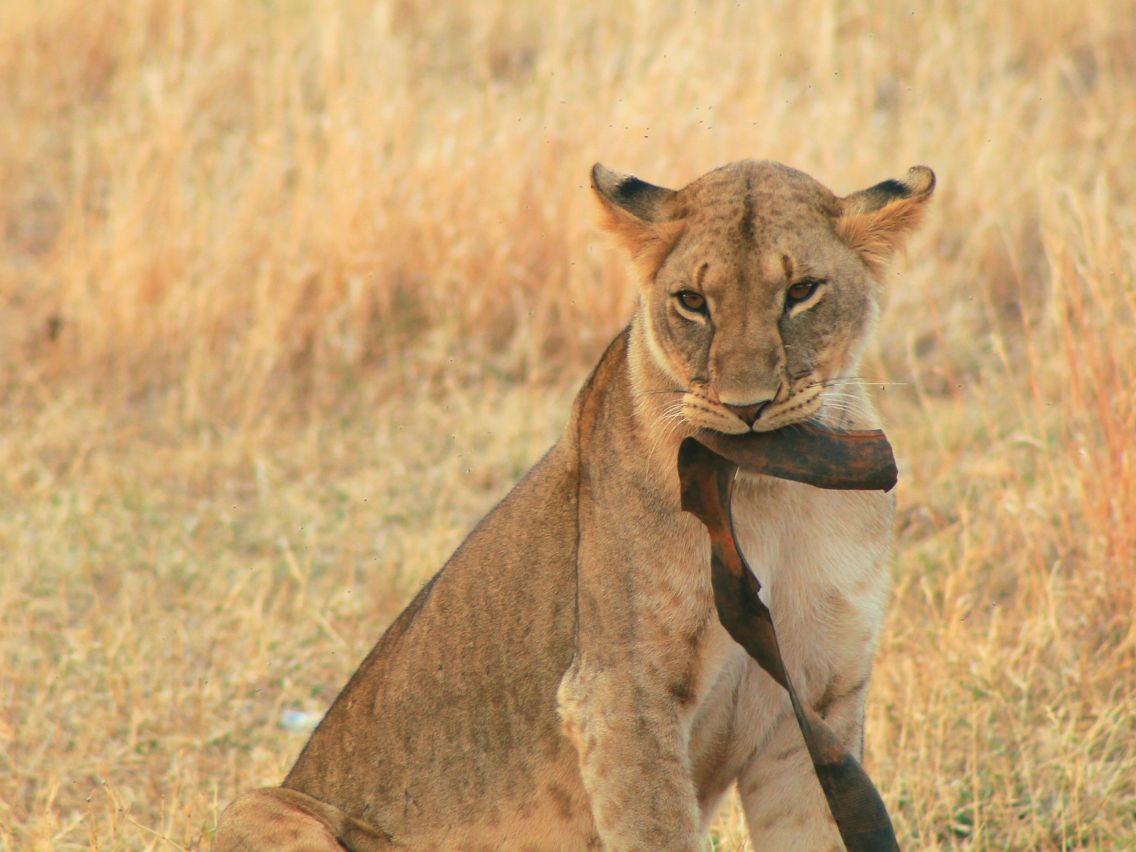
[{"x": 758, "y": 286}]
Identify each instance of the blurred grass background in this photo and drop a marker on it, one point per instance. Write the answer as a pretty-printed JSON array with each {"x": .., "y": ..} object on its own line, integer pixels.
[{"x": 293, "y": 290}]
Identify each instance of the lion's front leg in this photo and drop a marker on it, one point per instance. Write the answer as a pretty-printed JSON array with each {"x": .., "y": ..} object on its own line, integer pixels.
[
  {"x": 783, "y": 801},
  {"x": 632, "y": 755},
  {"x": 784, "y": 805}
]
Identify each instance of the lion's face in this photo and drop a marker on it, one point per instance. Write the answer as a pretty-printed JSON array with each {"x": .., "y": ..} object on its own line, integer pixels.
[{"x": 758, "y": 293}]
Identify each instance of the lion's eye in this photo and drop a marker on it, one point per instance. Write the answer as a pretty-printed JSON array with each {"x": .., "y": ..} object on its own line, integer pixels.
[
  {"x": 693, "y": 302},
  {"x": 801, "y": 291}
]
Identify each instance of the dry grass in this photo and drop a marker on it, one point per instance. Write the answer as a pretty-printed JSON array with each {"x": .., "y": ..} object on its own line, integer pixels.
[{"x": 292, "y": 291}]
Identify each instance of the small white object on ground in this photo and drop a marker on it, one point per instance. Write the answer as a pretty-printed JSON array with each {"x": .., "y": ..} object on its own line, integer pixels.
[{"x": 299, "y": 721}]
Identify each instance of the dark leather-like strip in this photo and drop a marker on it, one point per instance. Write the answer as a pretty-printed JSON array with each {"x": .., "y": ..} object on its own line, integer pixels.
[{"x": 815, "y": 457}]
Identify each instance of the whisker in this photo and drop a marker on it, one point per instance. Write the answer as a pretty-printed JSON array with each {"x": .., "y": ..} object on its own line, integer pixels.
[
  {"x": 843, "y": 398},
  {"x": 826, "y": 418},
  {"x": 853, "y": 380},
  {"x": 839, "y": 413},
  {"x": 671, "y": 419},
  {"x": 665, "y": 435}
]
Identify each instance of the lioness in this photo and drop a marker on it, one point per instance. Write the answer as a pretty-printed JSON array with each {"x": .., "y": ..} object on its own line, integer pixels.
[{"x": 563, "y": 682}]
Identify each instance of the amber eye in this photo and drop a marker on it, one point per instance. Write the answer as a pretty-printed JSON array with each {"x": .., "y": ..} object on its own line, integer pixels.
[
  {"x": 800, "y": 291},
  {"x": 693, "y": 302}
]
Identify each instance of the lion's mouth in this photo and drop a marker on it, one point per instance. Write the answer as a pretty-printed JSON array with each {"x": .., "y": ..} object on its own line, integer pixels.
[
  {"x": 796, "y": 409},
  {"x": 702, "y": 411},
  {"x": 748, "y": 414},
  {"x": 770, "y": 416}
]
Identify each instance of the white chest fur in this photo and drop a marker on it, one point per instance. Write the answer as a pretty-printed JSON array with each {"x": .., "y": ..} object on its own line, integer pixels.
[{"x": 821, "y": 558}]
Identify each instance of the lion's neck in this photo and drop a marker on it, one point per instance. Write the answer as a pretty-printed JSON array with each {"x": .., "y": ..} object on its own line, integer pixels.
[{"x": 625, "y": 442}]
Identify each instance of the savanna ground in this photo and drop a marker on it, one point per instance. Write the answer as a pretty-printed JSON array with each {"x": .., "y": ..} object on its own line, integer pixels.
[{"x": 293, "y": 291}]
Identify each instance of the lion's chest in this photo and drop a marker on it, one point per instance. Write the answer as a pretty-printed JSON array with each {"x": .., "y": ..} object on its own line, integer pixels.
[{"x": 821, "y": 559}]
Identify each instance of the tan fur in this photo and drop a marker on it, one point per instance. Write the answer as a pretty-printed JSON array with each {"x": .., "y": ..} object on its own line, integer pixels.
[{"x": 563, "y": 682}]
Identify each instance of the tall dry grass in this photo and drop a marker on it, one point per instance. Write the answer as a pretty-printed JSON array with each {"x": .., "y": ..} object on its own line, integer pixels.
[{"x": 292, "y": 291}]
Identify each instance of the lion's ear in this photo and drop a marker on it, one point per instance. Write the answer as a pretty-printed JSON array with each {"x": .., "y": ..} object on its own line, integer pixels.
[
  {"x": 875, "y": 221},
  {"x": 644, "y": 217}
]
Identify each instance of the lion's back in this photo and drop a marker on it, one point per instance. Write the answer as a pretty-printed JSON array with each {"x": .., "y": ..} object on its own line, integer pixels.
[{"x": 455, "y": 707}]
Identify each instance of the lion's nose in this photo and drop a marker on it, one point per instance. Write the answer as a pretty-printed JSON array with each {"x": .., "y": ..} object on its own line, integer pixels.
[{"x": 748, "y": 413}]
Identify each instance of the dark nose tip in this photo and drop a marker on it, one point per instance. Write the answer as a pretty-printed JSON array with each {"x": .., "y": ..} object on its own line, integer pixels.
[{"x": 748, "y": 413}]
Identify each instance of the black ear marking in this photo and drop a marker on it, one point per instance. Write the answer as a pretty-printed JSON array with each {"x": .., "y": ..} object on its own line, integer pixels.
[
  {"x": 919, "y": 183},
  {"x": 642, "y": 200},
  {"x": 639, "y": 197},
  {"x": 888, "y": 189}
]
